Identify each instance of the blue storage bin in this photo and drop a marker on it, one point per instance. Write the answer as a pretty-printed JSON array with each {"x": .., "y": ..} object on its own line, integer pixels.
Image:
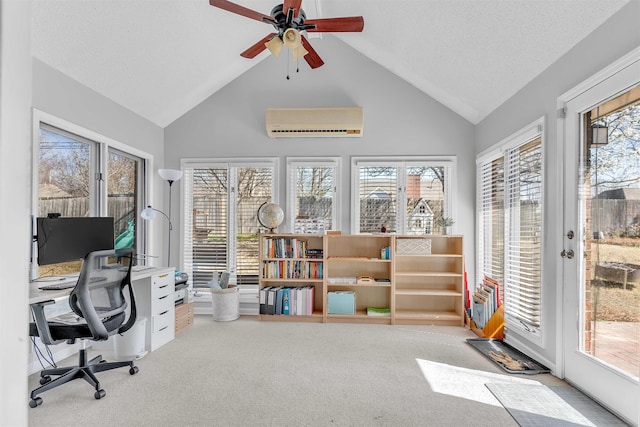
[{"x": 341, "y": 302}]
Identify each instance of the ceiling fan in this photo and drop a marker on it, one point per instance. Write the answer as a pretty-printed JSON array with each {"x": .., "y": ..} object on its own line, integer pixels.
[{"x": 290, "y": 21}]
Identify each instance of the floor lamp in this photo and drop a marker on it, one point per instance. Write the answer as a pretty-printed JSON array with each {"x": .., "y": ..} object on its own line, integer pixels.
[{"x": 171, "y": 176}]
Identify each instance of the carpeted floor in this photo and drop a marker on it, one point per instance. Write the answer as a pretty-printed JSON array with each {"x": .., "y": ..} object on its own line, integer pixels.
[{"x": 246, "y": 372}]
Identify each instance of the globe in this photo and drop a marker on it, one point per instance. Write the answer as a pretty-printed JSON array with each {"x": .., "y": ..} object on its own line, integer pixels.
[{"x": 270, "y": 216}]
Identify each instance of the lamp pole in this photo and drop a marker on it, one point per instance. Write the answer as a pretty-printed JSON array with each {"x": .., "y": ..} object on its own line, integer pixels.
[
  {"x": 170, "y": 227},
  {"x": 170, "y": 175}
]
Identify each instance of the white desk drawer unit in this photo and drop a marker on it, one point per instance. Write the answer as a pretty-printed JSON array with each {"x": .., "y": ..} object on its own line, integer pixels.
[{"x": 155, "y": 302}]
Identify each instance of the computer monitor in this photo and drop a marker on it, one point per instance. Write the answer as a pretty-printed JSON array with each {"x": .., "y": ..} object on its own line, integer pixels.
[{"x": 66, "y": 239}]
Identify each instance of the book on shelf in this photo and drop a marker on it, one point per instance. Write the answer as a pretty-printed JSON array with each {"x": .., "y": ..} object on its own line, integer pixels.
[
  {"x": 385, "y": 252},
  {"x": 279, "y": 301},
  {"x": 380, "y": 312},
  {"x": 288, "y": 247},
  {"x": 292, "y": 269},
  {"x": 286, "y": 301},
  {"x": 271, "y": 300},
  {"x": 263, "y": 300}
]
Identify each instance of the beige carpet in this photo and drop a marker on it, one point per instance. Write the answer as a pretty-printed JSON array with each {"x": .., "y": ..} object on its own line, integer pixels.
[{"x": 246, "y": 372}]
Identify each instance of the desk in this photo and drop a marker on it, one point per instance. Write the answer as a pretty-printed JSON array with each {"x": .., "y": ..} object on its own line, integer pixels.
[{"x": 153, "y": 288}]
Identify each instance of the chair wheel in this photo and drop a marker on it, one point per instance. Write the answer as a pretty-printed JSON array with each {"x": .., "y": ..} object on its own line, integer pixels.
[
  {"x": 100, "y": 394},
  {"x": 36, "y": 401},
  {"x": 45, "y": 379},
  {"x": 133, "y": 370}
]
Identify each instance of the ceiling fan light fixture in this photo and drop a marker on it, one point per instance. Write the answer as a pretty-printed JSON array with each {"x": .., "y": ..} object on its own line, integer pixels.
[
  {"x": 274, "y": 45},
  {"x": 291, "y": 38},
  {"x": 299, "y": 52}
]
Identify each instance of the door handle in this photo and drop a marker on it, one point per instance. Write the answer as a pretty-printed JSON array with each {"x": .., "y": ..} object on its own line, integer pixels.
[{"x": 567, "y": 254}]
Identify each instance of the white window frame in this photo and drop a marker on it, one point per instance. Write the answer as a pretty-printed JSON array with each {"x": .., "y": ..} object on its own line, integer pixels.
[
  {"x": 525, "y": 135},
  {"x": 103, "y": 144},
  {"x": 185, "y": 203},
  {"x": 336, "y": 205},
  {"x": 402, "y": 163}
]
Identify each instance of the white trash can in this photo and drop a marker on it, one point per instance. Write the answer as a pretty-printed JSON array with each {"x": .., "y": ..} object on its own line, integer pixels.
[
  {"x": 226, "y": 304},
  {"x": 131, "y": 344}
]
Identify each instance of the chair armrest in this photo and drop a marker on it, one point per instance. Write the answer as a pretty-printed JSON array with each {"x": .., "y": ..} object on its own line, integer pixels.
[
  {"x": 40, "y": 320},
  {"x": 97, "y": 328}
]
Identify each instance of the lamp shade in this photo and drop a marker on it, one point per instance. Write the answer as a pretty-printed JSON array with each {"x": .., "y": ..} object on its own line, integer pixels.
[
  {"x": 170, "y": 174},
  {"x": 291, "y": 38},
  {"x": 274, "y": 45},
  {"x": 148, "y": 213}
]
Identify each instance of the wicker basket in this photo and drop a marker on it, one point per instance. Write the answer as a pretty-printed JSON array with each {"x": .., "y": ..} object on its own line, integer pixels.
[{"x": 413, "y": 247}]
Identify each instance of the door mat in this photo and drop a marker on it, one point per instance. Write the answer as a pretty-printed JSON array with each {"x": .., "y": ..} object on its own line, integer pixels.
[
  {"x": 507, "y": 357},
  {"x": 533, "y": 405}
]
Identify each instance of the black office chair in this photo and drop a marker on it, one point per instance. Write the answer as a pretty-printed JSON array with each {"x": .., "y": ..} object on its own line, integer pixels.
[{"x": 100, "y": 310}]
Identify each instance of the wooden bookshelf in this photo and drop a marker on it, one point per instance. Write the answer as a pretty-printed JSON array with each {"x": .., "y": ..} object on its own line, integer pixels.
[
  {"x": 294, "y": 262},
  {"x": 353, "y": 256},
  {"x": 429, "y": 280},
  {"x": 418, "y": 287}
]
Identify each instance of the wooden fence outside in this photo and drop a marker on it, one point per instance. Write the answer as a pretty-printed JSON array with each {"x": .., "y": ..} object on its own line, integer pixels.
[{"x": 121, "y": 208}]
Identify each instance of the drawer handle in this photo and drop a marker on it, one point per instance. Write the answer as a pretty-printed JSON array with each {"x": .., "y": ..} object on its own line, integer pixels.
[
  {"x": 163, "y": 313},
  {"x": 163, "y": 286},
  {"x": 160, "y": 330},
  {"x": 163, "y": 297}
]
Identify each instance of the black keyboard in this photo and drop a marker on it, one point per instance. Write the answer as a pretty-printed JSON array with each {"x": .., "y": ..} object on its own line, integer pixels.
[
  {"x": 58, "y": 286},
  {"x": 69, "y": 285}
]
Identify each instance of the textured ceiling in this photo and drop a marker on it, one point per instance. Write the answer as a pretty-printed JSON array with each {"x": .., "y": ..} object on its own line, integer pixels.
[{"x": 160, "y": 58}]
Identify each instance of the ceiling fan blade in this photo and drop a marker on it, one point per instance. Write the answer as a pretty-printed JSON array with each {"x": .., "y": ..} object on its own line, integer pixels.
[
  {"x": 335, "y": 25},
  {"x": 292, "y": 4},
  {"x": 312, "y": 58},
  {"x": 241, "y": 10},
  {"x": 254, "y": 50}
]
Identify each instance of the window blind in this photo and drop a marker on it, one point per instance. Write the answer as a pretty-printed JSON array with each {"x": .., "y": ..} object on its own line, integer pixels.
[
  {"x": 491, "y": 221},
  {"x": 403, "y": 196},
  {"x": 523, "y": 234},
  {"x": 314, "y": 188},
  {"x": 254, "y": 187},
  {"x": 205, "y": 232},
  {"x": 221, "y": 226},
  {"x": 378, "y": 196},
  {"x": 509, "y": 212}
]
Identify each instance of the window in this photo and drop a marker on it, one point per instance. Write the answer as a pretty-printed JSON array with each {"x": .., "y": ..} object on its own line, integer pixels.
[
  {"x": 220, "y": 210},
  {"x": 405, "y": 197},
  {"x": 313, "y": 195},
  {"x": 510, "y": 224},
  {"x": 76, "y": 179},
  {"x": 124, "y": 178}
]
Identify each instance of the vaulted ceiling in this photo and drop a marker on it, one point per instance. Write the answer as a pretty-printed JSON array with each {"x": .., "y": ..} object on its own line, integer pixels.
[{"x": 160, "y": 58}]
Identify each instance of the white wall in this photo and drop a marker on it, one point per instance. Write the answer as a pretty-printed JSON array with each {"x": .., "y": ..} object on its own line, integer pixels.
[
  {"x": 25, "y": 84},
  {"x": 15, "y": 177},
  {"x": 64, "y": 98},
  {"x": 399, "y": 120},
  {"x": 618, "y": 36}
]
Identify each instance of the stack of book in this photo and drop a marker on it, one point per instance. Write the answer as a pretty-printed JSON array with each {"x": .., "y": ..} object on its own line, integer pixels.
[
  {"x": 380, "y": 312},
  {"x": 486, "y": 300},
  {"x": 287, "y": 301},
  {"x": 284, "y": 247},
  {"x": 292, "y": 269}
]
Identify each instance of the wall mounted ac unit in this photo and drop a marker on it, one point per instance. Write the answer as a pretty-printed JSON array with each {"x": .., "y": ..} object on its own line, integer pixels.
[{"x": 314, "y": 122}]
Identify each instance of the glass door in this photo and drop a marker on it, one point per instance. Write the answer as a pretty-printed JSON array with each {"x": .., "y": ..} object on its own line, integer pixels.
[{"x": 601, "y": 254}]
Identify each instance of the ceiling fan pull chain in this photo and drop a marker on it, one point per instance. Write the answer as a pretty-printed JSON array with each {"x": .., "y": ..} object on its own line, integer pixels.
[{"x": 287, "y": 67}]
